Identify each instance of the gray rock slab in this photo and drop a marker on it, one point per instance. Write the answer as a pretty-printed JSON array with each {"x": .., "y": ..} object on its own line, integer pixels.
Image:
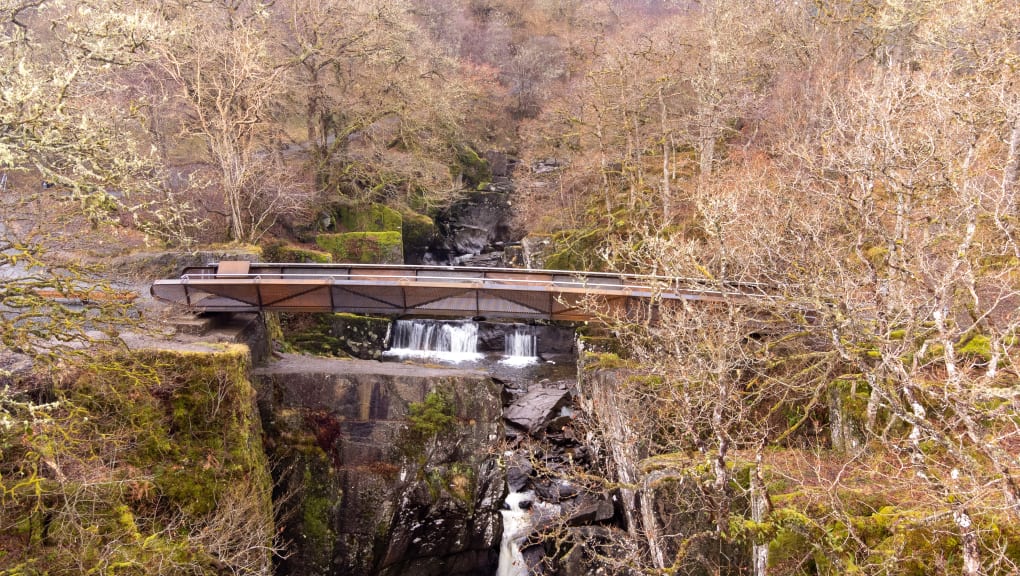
[{"x": 534, "y": 410}]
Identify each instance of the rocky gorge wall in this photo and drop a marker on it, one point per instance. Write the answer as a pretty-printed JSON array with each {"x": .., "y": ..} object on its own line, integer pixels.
[{"x": 384, "y": 468}]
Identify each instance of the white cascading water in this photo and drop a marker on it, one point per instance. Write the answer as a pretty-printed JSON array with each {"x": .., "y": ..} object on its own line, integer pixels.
[
  {"x": 520, "y": 347},
  {"x": 521, "y": 513},
  {"x": 450, "y": 341},
  {"x": 516, "y": 525}
]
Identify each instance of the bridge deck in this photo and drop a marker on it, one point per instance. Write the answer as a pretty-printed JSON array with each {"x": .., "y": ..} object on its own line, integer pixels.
[{"x": 428, "y": 290}]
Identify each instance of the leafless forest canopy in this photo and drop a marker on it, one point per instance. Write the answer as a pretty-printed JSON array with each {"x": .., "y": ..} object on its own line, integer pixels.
[{"x": 859, "y": 157}]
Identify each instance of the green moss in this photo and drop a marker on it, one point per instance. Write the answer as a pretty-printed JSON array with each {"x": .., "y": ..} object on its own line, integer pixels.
[
  {"x": 176, "y": 443},
  {"x": 283, "y": 252},
  {"x": 363, "y": 247},
  {"x": 853, "y": 397},
  {"x": 417, "y": 230},
  {"x": 427, "y": 420},
  {"x": 999, "y": 262},
  {"x": 474, "y": 169},
  {"x": 595, "y": 338},
  {"x": 368, "y": 218},
  {"x": 604, "y": 361},
  {"x": 304, "y": 255},
  {"x": 336, "y": 334},
  {"x": 976, "y": 346},
  {"x": 876, "y": 255},
  {"x": 432, "y": 417},
  {"x": 788, "y": 545},
  {"x": 316, "y": 514},
  {"x": 578, "y": 249},
  {"x": 646, "y": 382}
]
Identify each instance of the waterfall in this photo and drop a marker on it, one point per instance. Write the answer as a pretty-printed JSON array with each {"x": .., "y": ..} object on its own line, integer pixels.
[
  {"x": 516, "y": 525},
  {"x": 520, "y": 347},
  {"x": 452, "y": 341},
  {"x": 521, "y": 513}
]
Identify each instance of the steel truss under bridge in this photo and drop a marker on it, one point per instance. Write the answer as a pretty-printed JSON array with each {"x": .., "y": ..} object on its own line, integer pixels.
[{"x": 237, "y": 286}]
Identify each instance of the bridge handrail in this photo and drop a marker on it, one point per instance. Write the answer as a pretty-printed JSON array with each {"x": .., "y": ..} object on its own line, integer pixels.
[{"x": 555, "y": 276}]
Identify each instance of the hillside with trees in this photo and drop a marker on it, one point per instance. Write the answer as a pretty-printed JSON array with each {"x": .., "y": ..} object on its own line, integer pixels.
[{"x": 858, "y": 158}]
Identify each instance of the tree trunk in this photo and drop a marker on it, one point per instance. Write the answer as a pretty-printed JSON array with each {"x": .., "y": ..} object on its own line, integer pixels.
[
  {"x": 971, "y": 552},
  {"x": 1011, "y": 171},
  {"x": 759, "y": 512}
]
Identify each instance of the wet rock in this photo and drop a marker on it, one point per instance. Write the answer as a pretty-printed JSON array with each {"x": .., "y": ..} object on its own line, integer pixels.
[
  {"x": 554, "y": 490},
  {"x": 576, "y": 562},
  {"x": 555, "y": 339},
  {"x": 589, "y": 509},
  {"x": 534, "y": 410},
  {"x": 518, "y": 472},
  {"x": 472, "y": 225}
]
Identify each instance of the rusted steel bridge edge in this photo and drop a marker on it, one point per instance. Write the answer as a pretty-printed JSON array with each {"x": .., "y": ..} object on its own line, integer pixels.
[{"x": 431, "y": 290}]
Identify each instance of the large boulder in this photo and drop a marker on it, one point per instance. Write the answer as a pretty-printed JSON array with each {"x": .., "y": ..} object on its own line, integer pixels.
[
  {"x": 367, "y": 218},
  {"x": 533, "y": 411},
  {"x": 475, "y": 223},
  {"x": 364, "y": 247}
]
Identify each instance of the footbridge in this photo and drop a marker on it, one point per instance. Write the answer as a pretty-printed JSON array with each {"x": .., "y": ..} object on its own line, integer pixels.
[{"x": 233, "y": 286}]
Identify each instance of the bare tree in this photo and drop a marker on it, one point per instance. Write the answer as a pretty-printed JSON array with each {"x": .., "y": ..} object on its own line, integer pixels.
[{"x": 223, "y": 78}]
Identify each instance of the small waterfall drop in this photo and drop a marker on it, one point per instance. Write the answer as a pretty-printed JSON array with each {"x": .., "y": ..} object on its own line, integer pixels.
[
  {"x": 521, "y": 512},
  {"x": 520, "y": 347},
  {"x": 516, "y": 525},
  {"x": 451, "y": 341}
]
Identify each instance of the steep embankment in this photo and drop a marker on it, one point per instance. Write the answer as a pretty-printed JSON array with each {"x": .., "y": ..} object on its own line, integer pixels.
[{"x": 138, "y": 462}]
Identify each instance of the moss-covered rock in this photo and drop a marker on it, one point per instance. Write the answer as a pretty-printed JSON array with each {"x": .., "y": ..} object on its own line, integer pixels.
[
  {"x": 471, "y": 167},
  {"x": 149, "y": 462},
  {"x": 336, "y": 334},
  {"x": 977, "y": 346},
  {"x": 575, "y": 250},
  {"x": 418, "y": 232},
  {"x": 364, "y": 247},
  {"x": 368, "y": 218},
  {"x": 410, "y": 448},
  {"x": 282, "y": 252}
]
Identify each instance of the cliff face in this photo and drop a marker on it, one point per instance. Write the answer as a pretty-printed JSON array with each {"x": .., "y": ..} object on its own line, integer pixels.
[
  {"x": 384, "y": 468},
  {"x": 141, "y": 462}
]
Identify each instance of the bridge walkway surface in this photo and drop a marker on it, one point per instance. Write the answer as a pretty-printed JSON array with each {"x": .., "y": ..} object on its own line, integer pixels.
[{"x": 233, "y": 286}]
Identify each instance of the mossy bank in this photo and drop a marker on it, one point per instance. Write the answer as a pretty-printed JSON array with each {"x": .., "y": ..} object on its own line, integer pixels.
[{"x": 137, "y": 462}]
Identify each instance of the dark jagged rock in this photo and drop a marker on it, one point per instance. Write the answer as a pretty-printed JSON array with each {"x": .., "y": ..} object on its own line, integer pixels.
[
  {"x": 518, "y": 472},
  {"x": 589, "y": 509},
  {"x": 554, "y": 490},
  {"x": 474, "y": 223}
]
